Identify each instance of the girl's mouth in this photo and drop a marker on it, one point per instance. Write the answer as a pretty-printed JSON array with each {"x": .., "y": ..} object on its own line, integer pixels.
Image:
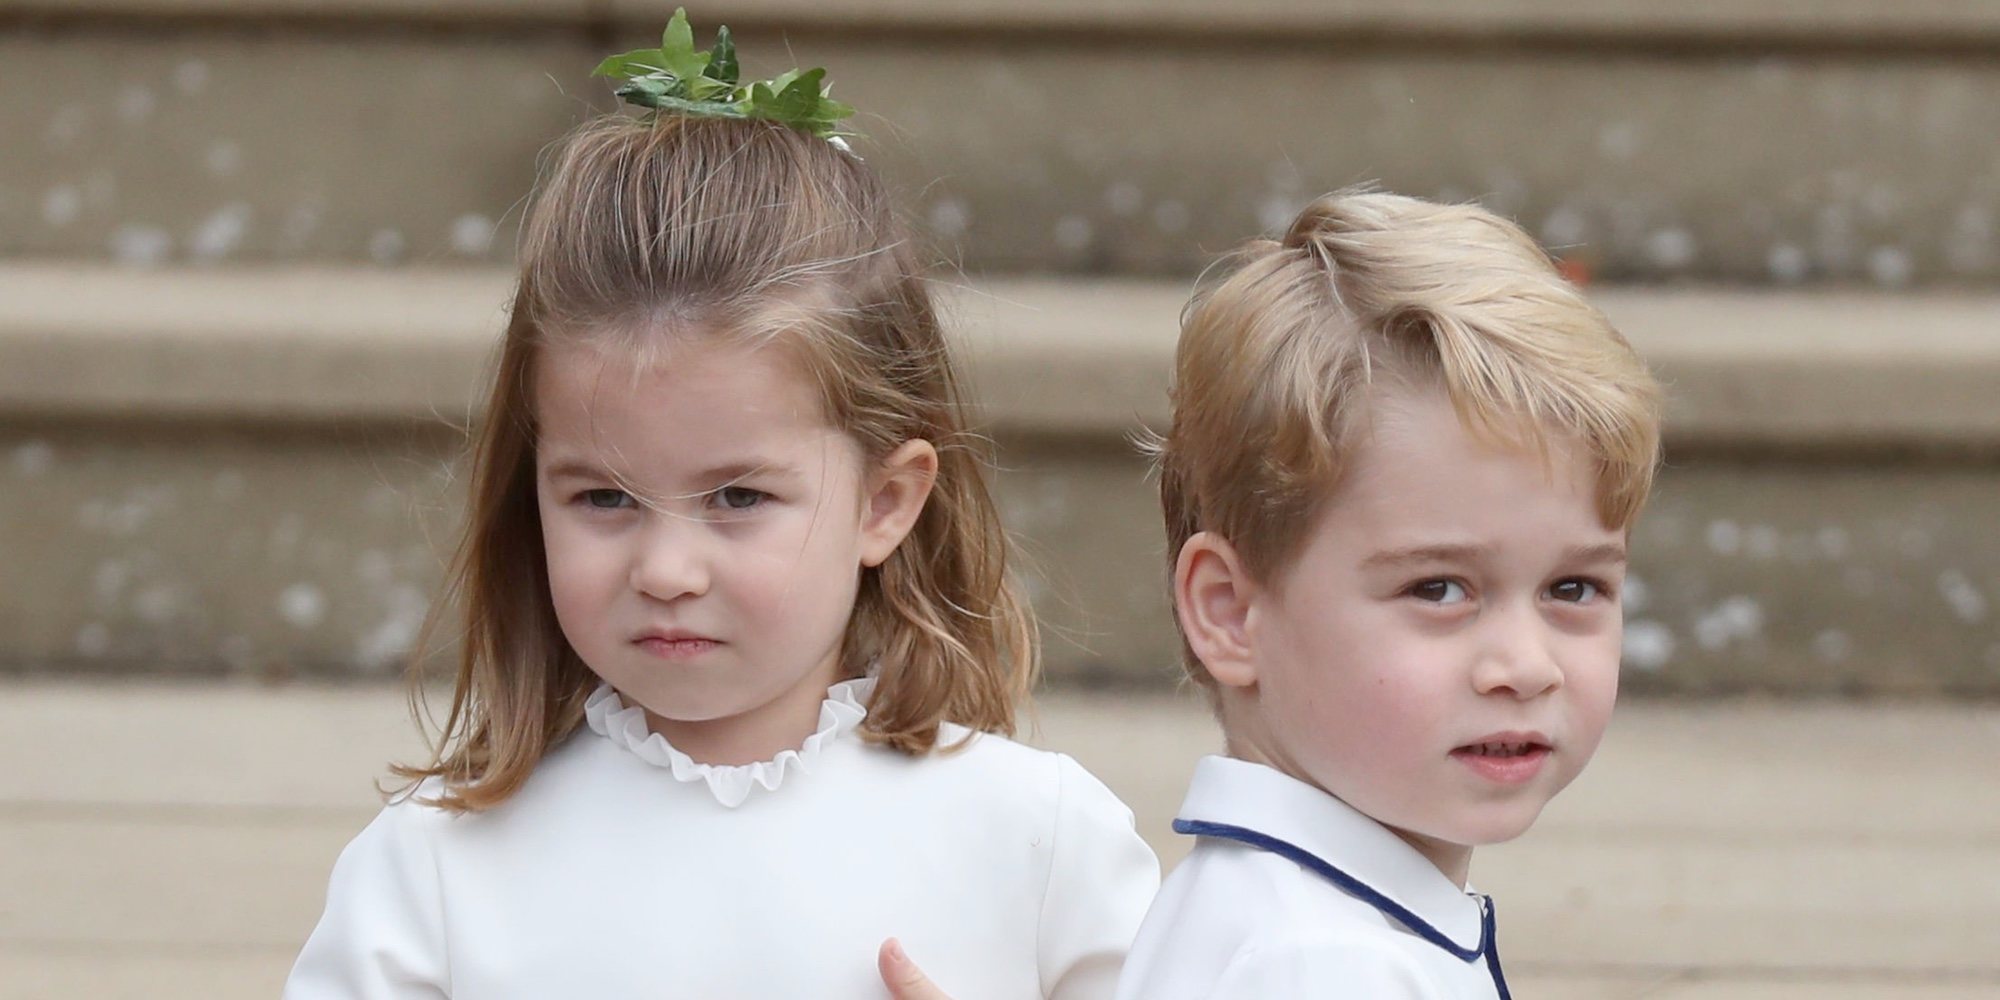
[{"x": 677, "y": 648}]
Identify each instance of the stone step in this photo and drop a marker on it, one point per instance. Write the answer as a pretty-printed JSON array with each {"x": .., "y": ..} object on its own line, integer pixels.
[
  {"x": 249, "y": 471},
  {"x": 1928, "y": 22},
  {"x": 1720, "y": 851},
  {"x": 1759, "y": 142}
]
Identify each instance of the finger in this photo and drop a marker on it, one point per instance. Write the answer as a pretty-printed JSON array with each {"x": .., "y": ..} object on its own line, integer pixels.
[{"x": 904, "y": 980}]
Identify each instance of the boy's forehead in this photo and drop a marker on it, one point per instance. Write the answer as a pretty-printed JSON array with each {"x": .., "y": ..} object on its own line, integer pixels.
[{"x": 1419, "y": 475}]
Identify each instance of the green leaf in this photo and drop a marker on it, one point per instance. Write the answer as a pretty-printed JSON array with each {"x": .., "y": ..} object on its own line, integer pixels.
[
  {"x": 831, "y": 110},
  {"x": 637, "y": 62},
  {"x": 677, "y": 48},
  {"x": 677, "y": 78},
  {"x": 798, "y": 98},
  {"x": 722, "y": 63},
  {"x": 679, "y": 34},
  {"x": 699, "y": 109},
  {"x": 701, "y": 88},
  {"x": 646, "y": 91},
  {"x": 781, "y": 81}
]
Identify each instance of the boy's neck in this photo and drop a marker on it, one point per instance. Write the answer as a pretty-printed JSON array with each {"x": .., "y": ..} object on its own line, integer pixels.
[{"x": 1453, "y": 860}]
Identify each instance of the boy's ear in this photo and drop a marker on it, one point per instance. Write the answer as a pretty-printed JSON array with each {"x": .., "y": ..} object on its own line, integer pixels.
[
  {"x": 1212, "y": 596},
  {"x": 898, "y": 486}
]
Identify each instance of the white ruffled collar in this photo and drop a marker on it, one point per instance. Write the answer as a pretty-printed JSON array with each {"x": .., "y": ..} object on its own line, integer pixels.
[{"x": 607, "y": 714}]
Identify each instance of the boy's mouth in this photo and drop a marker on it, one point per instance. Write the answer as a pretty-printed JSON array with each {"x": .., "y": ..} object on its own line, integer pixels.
[
  {"x": 1505, "y": 758},
  {"x": 1500, "y": 749}
]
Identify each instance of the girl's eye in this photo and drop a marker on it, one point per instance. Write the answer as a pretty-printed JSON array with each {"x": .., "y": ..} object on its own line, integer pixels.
[
  {"x": 606, "y": 499},
  {"x": 739, "y": 498},
  {"x": 1439, "y": 591},
  {"x": 1575, "y": 591}
]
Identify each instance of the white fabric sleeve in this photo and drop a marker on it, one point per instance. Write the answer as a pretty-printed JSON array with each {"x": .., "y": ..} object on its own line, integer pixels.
[
  {"x": 1326, "y": 970},
  {"x": 1102, "y": 877},
  {"x": 382, "y": 935}
]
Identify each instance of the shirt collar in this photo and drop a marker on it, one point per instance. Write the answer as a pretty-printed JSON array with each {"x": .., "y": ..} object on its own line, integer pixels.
[{"x": 1277, "y": 807}]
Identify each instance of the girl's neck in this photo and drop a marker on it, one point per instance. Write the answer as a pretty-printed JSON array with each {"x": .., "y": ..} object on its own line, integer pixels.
[{"x": 757, "y": 735}]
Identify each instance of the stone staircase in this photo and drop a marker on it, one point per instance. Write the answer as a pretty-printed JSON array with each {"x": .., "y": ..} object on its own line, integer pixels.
[{"x": 253, "y": 253}]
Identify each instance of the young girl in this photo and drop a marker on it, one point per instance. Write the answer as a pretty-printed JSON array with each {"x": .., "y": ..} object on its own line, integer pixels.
[{"x": 738, "y": 638}]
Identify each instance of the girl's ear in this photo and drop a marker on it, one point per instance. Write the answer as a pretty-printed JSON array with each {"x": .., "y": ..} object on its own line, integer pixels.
[
  {"x": 897, "y": 490},
  {"x": 1213, "y": 596}
]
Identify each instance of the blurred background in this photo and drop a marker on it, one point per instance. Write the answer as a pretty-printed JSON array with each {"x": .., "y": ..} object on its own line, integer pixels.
[{"x": 254, "y": 256}]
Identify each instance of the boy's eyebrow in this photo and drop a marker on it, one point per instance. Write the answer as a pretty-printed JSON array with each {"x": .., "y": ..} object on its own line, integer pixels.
[
  {"x": 1426, "y": 554},
  {"x": 1606, "y": 552}
]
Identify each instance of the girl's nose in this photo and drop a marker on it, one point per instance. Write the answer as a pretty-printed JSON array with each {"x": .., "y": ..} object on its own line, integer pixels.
[{"x": 669, "y": 562}]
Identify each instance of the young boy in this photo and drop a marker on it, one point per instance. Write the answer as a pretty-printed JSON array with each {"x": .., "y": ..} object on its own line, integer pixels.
[{"x": 1404, "y": 461}]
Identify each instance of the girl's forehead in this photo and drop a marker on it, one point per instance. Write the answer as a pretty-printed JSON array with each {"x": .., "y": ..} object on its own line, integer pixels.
[
  {"x": 700, "y": 397},
  {"x": 702, "y": 372}
]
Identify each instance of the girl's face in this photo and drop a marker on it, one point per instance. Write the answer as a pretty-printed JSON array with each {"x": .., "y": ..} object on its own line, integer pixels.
[{"x": 705, "y": 530}]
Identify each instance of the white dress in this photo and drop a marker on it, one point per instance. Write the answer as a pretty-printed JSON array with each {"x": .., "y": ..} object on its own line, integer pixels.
[
  {"x": 624, "y": 869},
  {"x": 1291, "y": 892}
]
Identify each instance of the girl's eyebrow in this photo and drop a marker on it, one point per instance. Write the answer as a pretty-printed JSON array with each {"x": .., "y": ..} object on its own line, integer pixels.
[
  {"x": 732, "y": 471},
  {"x": 574, "y": 468}
]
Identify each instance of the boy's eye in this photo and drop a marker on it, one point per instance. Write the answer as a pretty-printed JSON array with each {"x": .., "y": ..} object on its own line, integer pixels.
[
  {"x": 739, "y": 498},
  {"x": 1439, "y": 591},
  {"x": 1575, "y": 591},
  {"x": 606, "y": 499}
]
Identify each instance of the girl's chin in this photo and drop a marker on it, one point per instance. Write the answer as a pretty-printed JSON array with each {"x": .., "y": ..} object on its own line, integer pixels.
[{"x": 704, "y": 704}]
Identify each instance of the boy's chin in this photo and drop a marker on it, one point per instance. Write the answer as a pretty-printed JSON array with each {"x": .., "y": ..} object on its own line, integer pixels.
[
  {"x": 1479, "y": 826},
  {"x": 1497, "y": 827}
]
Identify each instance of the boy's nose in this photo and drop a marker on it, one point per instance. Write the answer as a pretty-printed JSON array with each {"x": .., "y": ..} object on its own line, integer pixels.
[
  {"x": 1519, "y": 661},
  {"x": 669, "y": 562}
]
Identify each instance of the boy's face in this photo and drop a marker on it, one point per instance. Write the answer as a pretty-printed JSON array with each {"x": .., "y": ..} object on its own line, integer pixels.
[{"x": 1443, "y": 655}]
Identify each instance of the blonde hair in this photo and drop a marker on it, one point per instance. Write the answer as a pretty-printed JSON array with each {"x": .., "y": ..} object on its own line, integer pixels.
[
  {"x": 708, "y": 227},
  {"x": 1280, "y": 349}
]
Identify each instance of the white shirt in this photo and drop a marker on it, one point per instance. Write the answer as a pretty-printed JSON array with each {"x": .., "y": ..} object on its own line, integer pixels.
[
  {"x": 1290, "y": 892},
  {"x": 622, "y": 868}
]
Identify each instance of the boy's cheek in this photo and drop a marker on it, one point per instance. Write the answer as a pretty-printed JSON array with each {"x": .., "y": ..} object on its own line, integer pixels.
[
  {"x": 1598, "y": 659},
  {"x": 1593, "y": 684}
]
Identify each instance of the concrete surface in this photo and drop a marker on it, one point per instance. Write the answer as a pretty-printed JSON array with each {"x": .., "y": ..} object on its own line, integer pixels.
[
  {"x": 1935, "y": 22},
  {"x": 1747, "y": 368},
  {"x": 250, "y": 472},
  {"x": 263, "y": 551},
  {"x": 167, "y": 841},
  {"x": 1747, "y": 143}
]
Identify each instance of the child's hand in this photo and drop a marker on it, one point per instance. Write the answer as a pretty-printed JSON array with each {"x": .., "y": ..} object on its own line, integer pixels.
[{"x": 904, "y": 979}]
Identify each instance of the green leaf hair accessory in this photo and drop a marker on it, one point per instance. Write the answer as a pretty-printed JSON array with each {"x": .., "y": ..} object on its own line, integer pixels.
[{"x": 677, "y": 79}]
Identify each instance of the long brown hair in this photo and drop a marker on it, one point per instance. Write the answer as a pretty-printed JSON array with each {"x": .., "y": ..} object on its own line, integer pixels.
[{"x": 647, "y": 229}]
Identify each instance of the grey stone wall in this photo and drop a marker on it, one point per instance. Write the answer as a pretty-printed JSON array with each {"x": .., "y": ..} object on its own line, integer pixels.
[{"x": 1755, "y": 147}]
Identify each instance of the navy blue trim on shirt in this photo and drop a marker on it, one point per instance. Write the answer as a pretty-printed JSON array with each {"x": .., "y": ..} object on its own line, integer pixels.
[{"x": 1367, "y": 894}]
